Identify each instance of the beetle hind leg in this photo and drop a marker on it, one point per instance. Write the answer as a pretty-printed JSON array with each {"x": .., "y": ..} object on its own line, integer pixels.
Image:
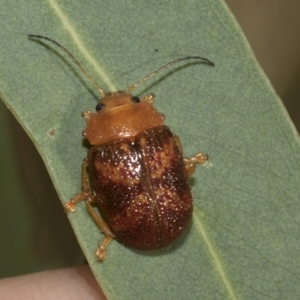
[
  {"x": 101, "y": 250},
  {"x": 89, "y": 198}
]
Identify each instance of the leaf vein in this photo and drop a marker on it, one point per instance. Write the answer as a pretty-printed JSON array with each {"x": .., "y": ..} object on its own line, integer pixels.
[{"x": 78, "y": 41}]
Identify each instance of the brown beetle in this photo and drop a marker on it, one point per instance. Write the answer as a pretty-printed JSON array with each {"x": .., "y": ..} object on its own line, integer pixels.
[{"x": 135, "y": 171}]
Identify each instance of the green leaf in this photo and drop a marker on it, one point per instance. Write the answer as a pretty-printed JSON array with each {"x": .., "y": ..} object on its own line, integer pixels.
[{"x": 243, "y": 241}]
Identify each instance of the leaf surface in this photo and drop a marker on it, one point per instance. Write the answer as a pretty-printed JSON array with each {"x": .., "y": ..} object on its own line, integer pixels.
[{"x": 243, "y": 242}]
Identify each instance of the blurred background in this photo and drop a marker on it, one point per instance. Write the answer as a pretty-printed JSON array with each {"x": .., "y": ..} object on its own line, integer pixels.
[
  {"x": 35, "y": 233},
  {"x": 272, "y": 29}
]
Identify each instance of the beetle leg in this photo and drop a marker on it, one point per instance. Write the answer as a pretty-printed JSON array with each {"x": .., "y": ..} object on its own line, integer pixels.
[
  {"x": 190, "y": 163},
  {"x": 70, "y": 206},
  {"x": 101, "y": 251},
  {"x": 149, "y": 98},
  {"x": 87, "y": 195}
]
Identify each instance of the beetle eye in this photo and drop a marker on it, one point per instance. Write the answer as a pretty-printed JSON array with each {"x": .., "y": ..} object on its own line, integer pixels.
[
  {"x": 99, "y": 106},
  {"x": 135, "y": 99}
]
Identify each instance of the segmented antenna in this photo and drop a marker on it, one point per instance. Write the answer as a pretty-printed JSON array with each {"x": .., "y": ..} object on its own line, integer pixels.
[
  {"x": 132, "y": 87},
  {"x": 100, "y": 90}
]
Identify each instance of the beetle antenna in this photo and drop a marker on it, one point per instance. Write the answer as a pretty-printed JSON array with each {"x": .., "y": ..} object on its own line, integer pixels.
[
  {"x": 132, "y": 87},
  {"x": 100, "y": 90}
]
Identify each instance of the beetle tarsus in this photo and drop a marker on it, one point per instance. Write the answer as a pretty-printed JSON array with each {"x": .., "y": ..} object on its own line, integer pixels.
[
  {"x": 190, "y": 163},
  {"x": 101, "y": 251},
  {"x": 201, "y": 158},
  {"x": 70, "y": 206},
  {"x": 149, "y": 98}
]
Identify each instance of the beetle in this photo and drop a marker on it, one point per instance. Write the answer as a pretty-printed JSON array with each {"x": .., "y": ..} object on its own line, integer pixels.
[{"x": 135, "y": 170}]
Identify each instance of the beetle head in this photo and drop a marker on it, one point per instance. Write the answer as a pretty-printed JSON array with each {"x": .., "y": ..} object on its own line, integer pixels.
[
  {"x": 121, "y": 115},
  {"x": 115, "y": 101}
]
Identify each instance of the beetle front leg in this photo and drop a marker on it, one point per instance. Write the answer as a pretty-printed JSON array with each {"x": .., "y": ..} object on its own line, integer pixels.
[
  {"x": 149, "y": 98},
  {"x": 101, "y": 251},
  {"x": 190, "y": 163}
]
